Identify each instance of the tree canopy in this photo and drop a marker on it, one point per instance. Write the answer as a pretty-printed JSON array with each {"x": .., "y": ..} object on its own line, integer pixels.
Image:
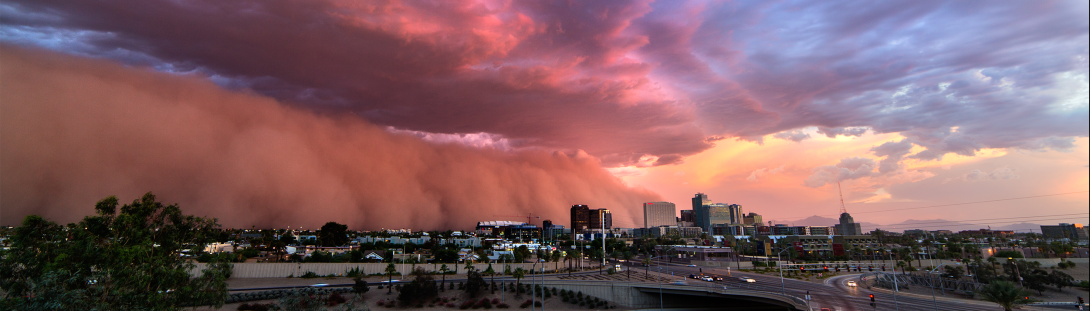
[
  {"x": 333, "y": 234},
  {"x": 130, "y": 260}
]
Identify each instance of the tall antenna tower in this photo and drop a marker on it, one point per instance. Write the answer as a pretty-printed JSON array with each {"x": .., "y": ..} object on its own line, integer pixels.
[{"x": 843, "y": 209}]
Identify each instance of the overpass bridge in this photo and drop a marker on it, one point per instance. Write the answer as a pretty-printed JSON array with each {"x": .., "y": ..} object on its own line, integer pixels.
[{"x": 654, "y": 296}]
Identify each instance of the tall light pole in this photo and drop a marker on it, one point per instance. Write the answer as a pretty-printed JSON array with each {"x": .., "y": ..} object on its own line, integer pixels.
[
  {"x": 896, "y": 305},
  {"x": 533, "y": 294},
  {"x": 783, "y": 288}
]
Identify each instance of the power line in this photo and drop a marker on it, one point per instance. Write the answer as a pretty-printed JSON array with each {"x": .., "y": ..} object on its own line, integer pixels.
[
  {"x": 976, "y": 224},
  {"x": 1021, "y": 218},
  {"x": 968, "y": 203}
]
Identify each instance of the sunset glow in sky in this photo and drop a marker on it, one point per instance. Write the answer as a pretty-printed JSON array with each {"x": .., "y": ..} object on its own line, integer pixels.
[{"x": 438, "y": 114}]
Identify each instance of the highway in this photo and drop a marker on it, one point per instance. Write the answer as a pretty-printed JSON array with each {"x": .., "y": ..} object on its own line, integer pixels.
[{"x": 834, "y": 294}]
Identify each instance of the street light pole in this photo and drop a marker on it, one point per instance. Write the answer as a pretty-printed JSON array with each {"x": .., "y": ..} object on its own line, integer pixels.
[
  {"x": 896, "y": 305},
  {"x": 783, "y": 288},
  {"x": 660, "y": 288},
  {"x": 533, "y": 293}
]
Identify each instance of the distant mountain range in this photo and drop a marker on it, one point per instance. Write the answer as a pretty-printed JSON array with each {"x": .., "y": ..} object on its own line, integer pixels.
[{"x": 928, "y": 224}]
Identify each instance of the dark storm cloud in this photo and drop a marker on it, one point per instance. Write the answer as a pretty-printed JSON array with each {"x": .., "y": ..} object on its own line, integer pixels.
[{"x": 622, "y": 79}]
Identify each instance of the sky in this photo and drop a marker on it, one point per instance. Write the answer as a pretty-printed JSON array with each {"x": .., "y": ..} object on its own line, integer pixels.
[{"x": 438, "y": 114}]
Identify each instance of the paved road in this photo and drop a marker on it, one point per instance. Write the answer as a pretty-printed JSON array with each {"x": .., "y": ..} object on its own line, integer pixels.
[{"x": 833, "y": 295}]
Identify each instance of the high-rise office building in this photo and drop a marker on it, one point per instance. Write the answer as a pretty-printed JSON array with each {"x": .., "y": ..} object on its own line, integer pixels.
[
  {"x": 714, "y": 214},
  {"x": 848, "y": 226},
  {"x": 600, "y": 217},
  {"x": 687, "y": 215},
  {"x": 1065, "y": 231},
  {"x": 736, "y": 215},
  {"x": 657, "y": 214},
  {"x": 580, "y": 218},
  {"x": 753, "y": 219},
  {"x": 699, "y": 200}
]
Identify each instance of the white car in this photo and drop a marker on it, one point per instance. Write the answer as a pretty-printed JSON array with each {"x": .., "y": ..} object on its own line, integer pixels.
[
  {"x": 320, "y": 285},
  {"x": 691, "y": 266},
  {"x": 748, "y": 280},
  {"x": 852, "y": 284},
  {"x": 708, "y": 279}
]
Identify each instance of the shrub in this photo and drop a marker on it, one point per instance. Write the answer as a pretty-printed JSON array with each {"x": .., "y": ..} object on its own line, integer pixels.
[
  {"x": 526, "y": 304},
  {"x": 309, "y": 275},
  {"x": 502, "y": 306},
  {"x": 466, "y": 305},
  {"x": 336, "y": 299}
]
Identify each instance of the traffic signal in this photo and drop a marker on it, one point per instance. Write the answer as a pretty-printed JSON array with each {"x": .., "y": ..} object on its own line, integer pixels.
[
  {"x": 826, "y": 268},
  {"x": 1080, "y": 301},
  {"x": 870, "y": 268},
  {"x": 883, "y": 268},
  {"x": 838, "y": 269},
  {"x": 871, "y": 297},
  {"x": 802, "y": 269}
]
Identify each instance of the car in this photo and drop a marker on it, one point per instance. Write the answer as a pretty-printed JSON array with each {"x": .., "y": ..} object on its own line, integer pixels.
[
  {"x": 719, "y": 279},
  {"x": 320, "y": 285},
  {"x": 748, "y": 280},
  {"x": 691, "y": 266},
  {"x": 692, "y": 276},
  {"x": 679, "y": 283},
  {"x": 708, "y": 279},
  {"x": 852, "y": 284}
]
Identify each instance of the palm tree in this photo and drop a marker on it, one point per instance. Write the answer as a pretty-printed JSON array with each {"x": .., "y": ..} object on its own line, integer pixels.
[
  {"x": 1005, "y": 294},
  {"x": 519, "y": 274},
  {"x": 569, "y": 256},
  {"x": 444, "y": 269},
  {"x": 555, "y": 257},
  {"x": 492, "y": 273},
  {"x": 391, "y": 269},
  {"x": 916, "y": 253},
  {"x": 647, "y": 266},
  {"x": 901, "y": 264},
  {"x": 628, "y": 261}
]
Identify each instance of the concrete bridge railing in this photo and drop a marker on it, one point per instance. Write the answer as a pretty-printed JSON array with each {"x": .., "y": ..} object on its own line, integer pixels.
[{"x": 645, "y": 295}]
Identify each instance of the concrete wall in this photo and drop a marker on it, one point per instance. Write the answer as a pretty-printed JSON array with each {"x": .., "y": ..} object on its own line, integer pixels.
[
  {"x": 1052, "y": 262},
  {"x": 281, "y": 270}
]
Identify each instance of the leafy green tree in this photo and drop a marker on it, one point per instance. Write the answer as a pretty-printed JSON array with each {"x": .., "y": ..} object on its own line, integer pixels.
[
  {"x": 422, "y": 288},
  {"x": 1005, "y": 294},
  {"x": 953, "y": 272},
  {"x": 333, "y": 234},
  {"x": 521, "y": 253},
  {"x": 112, "y": 261},
  {"x": 1060, "y": 279},
  {"x": 360, "y": 287},
  {"x": 474, "y": 283}
]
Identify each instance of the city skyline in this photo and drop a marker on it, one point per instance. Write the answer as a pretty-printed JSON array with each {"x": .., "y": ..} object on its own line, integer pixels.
[{"x": 407, "y": 114}]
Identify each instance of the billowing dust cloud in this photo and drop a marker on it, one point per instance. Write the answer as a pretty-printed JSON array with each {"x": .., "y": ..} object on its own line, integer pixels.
[{"x": 76, "y": 130}]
